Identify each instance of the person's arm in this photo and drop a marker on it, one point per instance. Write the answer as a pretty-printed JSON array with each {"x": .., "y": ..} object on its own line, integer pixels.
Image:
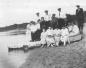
[{"x": 76, "y": 12}]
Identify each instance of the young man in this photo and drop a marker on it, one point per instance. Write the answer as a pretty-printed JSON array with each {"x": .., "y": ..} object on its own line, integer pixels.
[
  {"x": 43, "y": 24},
  {"x": 80, "y": 18},
  {"x": 54, "y": 21},
  {"x": 37, "y": 17},
  {"x": 47, "y": 18}
]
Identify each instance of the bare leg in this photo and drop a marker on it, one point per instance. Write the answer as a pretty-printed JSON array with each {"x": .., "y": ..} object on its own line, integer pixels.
[
  {"x": 64, "y": 43},
  {"x": 68, "y": 41}
]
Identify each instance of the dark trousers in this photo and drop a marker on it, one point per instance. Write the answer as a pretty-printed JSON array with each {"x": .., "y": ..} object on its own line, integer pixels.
[
  {"x": 80, "y": 25},
  {"x": 47, "y": 25},
  {"x": 33, "y": 36}
]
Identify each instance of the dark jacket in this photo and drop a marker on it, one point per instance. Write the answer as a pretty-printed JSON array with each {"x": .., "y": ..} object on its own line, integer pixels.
[{"x": 79, "y": 14}]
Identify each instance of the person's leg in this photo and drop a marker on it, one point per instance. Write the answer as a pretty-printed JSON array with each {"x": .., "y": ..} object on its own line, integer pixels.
[
  {"x": 57, "y": 41},
  {"x": 82, "y": 36},
  {"x": 64, "y": 42},
  {"x": 68, "y": 40},
  {"x": 37, "y": 35},
  {"x": 81, "y": 28},
  {"x": 32, "y": 36}
]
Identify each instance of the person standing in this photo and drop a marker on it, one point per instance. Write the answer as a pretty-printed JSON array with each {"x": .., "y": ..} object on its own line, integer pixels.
[
  {"x": 80, "y": 18},
  {"x": 38, "y": 31},
  {"x": 61, "y": 17},
  {"x": 33, "y": 28},
  {"x": 47, "y": 18},
  {"x": 54, "y": 21},
  {"x": 37, "y": 17},
  {"x": 43, "y": 24},
  {"x": 28, "y": 33}
]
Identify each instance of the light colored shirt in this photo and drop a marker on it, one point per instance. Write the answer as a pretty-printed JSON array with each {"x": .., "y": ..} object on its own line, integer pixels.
[
  {"x": 49, "y": 32},
  {"x": 70, "y": 28},
  {"x": 75, "y": 29},
  {"x": 64, "y": 32},
  {"x": 28, "y": 26},
  {"x": 47, "y": 17},
  {"x": 57, "y": 32},
  {"x": 62, "y": 15},
  {"x": 28, "y": 33},
  {"x": 36, "y": 18},
  {"x": 38, "y": 26},
  {"x": 43, "y": 35},
  {"x": 33, "y": 28}
]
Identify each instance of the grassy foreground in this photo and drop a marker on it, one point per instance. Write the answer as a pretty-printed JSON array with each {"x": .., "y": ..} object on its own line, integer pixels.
[{"x": 73, "y": 56}]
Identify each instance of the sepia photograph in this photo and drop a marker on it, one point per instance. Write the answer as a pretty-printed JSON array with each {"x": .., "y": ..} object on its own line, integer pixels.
[{"x": 42, "y": 33}]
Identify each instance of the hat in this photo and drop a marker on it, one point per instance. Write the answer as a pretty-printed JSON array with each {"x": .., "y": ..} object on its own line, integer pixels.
[
  {"x": 77, "y": 5},
  {"x": 46, "y": 10},
  {"x": 32, "y": 22},
  {"x": 59, "y": 9},
  {"x": 53, "y": 14},
  {"x": 37, "y": 13}
]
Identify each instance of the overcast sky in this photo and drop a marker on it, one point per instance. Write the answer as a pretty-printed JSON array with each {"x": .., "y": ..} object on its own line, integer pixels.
[{"x": 19, "y": 11}]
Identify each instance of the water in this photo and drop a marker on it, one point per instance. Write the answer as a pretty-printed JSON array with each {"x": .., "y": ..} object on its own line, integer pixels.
[{"x": 12, "y": 59}]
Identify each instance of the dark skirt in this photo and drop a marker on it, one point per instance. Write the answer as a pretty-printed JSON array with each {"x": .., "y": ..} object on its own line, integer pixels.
[{"x": 36, "y": 35}]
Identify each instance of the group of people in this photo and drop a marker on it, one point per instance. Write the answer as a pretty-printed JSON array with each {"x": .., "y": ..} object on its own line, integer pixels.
[
  {"x": 55, "y": 36},
  {"x": 51, "y": 30}
]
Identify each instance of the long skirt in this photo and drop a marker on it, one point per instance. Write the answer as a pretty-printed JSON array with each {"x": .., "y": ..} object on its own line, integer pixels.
[
  {"x": 28, "y": 36},
  {"x": 57, "y": 40},
  {"x": 64, "y": 38},
  {"x": 36, "y": 35},
  {"x": 50, "y": 40}
]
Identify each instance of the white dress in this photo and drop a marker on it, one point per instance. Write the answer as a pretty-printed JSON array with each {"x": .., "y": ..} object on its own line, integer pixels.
[
  {"x": 43, "y": 37},
  {"x": 75, "y": 30},
  {"x": 57, "y": 36},
  {"x": 49, "y": 37},
  {"x": 70, "y": 28},
  {"x": 64, "y": 35},
  {"x": 28, "y": 33}
]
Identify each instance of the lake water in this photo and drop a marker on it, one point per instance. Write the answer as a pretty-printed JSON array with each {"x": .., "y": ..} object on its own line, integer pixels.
[{"x": 12, "y": 59}]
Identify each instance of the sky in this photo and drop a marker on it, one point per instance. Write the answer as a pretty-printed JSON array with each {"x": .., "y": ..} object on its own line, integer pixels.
[{"x": 20, "y": 11}]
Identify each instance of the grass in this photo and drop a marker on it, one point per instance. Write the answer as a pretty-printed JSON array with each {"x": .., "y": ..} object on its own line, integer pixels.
[{"x": 73, "y": 56}]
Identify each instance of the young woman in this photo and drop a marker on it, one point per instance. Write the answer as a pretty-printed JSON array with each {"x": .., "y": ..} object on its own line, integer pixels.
[
  {"x": 50, "y": 37},
  {"x": 57, "y": 36},
  {"x": 65, "y": 35}
]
